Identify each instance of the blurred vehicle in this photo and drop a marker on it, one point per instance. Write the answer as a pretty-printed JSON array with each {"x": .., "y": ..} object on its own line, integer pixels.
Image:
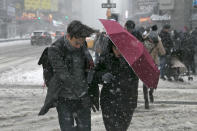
[
  {"x": 52, "y": 34},
  {"x": 41, "y": 38},
  {"x": 58, "y": 34}
]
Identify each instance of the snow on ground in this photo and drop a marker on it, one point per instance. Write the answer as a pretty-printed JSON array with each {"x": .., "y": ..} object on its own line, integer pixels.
[
  {"x": 22, "y": 95},
  {"x": 11, "y": 43},
  {"x": 174, "y": 110},
  {"x": 26, "y": 74}
]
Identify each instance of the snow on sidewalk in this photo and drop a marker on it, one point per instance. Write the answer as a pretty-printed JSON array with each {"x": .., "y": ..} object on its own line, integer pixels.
[
  {"x": 22, "y": 96},
  {"x": 19, "y": 106}
]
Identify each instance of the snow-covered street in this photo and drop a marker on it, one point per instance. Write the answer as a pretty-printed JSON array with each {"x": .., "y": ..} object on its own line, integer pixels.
[
  {"x": 174, "y": 110},
  {"x": 22, "y": 95}
]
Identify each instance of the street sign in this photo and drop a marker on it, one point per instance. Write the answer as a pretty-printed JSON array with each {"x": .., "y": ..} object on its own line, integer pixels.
[{"x": 108, "y": 5}]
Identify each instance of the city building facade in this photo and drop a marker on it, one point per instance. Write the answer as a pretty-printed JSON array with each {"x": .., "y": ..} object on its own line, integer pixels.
[{"x": 7, "y": 20}]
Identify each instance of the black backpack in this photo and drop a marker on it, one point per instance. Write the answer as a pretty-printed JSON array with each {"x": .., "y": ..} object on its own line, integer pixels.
[{"x": 47, "y": 68}]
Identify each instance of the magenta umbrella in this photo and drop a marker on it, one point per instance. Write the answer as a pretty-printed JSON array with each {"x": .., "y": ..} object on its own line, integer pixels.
[{"x": 134, "y": 53}]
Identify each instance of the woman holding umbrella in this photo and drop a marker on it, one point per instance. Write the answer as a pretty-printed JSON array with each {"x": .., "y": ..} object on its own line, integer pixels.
[{"x": 118, "y": 98}]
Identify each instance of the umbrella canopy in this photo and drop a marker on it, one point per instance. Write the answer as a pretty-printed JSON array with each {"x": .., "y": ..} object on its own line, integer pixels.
[{"x": 134, "y": 53}]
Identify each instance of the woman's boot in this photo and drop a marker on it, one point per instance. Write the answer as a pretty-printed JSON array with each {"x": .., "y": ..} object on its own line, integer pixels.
[
  {"x": 145, "y": 91},
  {"x": 151, "y": 95}
]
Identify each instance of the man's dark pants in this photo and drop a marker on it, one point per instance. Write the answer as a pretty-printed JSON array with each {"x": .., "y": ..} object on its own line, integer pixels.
[{"x": 78, "y": 110}]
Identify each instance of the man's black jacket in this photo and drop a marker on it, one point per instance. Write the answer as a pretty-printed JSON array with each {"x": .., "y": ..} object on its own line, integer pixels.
[{"x": 167, "y": 41}]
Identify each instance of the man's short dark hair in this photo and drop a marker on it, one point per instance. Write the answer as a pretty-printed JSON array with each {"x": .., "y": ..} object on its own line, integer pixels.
[
  {"x": 114, "y": 17},
  {"x": 78, "y": 30},
  {"x": 130, "y": 24},
  {"x": 167, "y": 26}
]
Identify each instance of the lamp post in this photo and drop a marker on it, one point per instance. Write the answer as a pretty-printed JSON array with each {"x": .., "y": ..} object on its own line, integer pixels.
[{"x": 108, "y": 5}]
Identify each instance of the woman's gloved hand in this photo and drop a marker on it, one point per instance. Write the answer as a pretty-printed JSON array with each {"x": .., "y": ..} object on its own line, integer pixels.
[{"x": 108, "y": 78}]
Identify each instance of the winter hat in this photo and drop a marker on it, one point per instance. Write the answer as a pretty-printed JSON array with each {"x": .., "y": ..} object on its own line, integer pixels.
[
  {"x": 154, "y": 37},
  {"x": 145, "y": 34},
  {"x": 154, "y": 28}
]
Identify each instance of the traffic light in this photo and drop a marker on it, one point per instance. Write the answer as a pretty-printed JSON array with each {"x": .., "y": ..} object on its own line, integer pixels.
[
  {"x": 66, "y": 17},
  {"x": 38, "y": 18}
]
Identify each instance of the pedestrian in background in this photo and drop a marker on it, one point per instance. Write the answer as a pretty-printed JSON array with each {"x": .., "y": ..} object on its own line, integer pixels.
[
  {"x": 153, "y": 44},
  {"x": 166, "y": 59}
]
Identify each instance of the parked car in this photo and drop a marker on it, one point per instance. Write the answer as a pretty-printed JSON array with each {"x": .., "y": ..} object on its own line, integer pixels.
[
  {"x": 41, "y": 38},
  {"x": 52, "y": 33},
  {"x": 58, "y": 34}
]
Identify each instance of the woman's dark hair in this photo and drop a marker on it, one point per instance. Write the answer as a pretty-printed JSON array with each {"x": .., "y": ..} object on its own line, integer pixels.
[
  {"x": 78, "y": 30},
  {"x": 130, "y": 25},
  {"x": 110, "y": 46}
]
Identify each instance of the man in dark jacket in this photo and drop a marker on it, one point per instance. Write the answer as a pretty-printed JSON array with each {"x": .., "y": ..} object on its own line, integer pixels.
[
  {"x": 68, "y": 88},
  {"x": 168, "y": 45}
]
